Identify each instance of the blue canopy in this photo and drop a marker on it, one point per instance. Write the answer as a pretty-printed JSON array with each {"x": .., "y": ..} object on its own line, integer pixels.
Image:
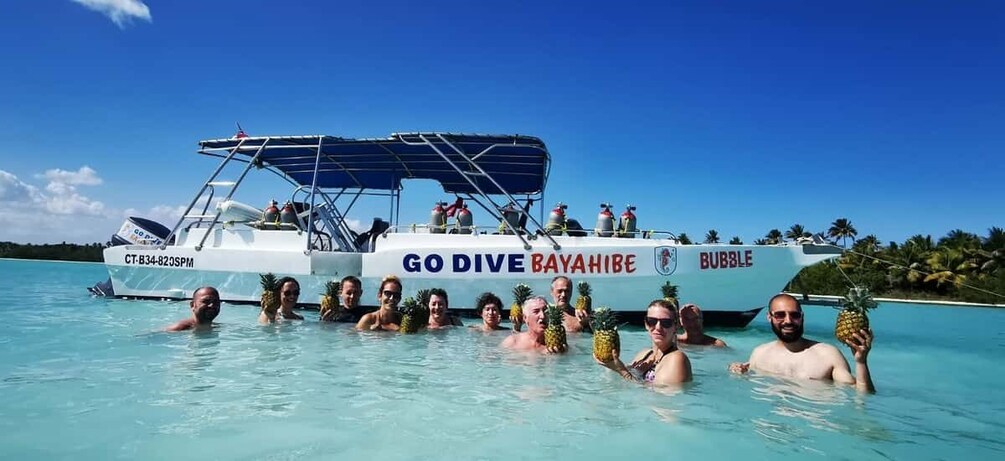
[{"x": 518, "y": 164}]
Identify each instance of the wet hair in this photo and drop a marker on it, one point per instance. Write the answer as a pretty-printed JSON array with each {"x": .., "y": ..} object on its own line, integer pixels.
[
  {"x": 285, "y": 280},
  {"x": 485, "y": 299},
  {"x": 665, "y": 305},
  {"x": 390, "y": 279},
  {"x": 784, "y": 295},
  {"x": 355, "y": 281},
  {"x": 441, "y": 293}
]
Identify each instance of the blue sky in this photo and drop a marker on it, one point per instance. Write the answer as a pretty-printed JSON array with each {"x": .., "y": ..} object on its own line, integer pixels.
[{"x": 737, "y": 116}]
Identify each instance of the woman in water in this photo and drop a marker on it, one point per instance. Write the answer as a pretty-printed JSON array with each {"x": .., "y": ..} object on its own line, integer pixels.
[
  {"x": 438, "y": 315},
  {"x": 387, "y": 318},
  {"x": 289, "y": 294},
  {"x": 489, "y": 308},
  {"x": 662, "y": 364}
]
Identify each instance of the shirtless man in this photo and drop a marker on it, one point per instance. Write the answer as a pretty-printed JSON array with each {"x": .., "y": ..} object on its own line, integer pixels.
[
  {"x": 797, "y": 357},
  {"x": 205, "y": 305},
  {"x": 561, "y": 292},
  {"x": 532, "y": 339},
  {"x": 694, "y": 328}
]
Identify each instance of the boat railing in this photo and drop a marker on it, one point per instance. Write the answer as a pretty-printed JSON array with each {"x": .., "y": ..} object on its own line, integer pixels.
[{"x": 424, "y": 228}]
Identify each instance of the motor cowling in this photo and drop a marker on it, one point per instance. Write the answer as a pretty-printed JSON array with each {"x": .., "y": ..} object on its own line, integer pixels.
[
  {"x": 438, "y": 219},
  {"x": 288, "y": 217},
  {"x": 465, "y": 220},
  {"x": 605, "y": 221},
  {"x": 627, "y": 224},
  {"x": 556, "y": 220}
]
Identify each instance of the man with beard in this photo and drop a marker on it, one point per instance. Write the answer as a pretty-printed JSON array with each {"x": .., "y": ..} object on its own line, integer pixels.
[
  {"x": 797, "y": 357},
  {"x": 205, "y": 307}
]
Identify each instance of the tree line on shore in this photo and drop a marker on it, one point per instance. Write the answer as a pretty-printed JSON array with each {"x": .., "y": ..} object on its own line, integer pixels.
[{"x": 960, "y": 266}]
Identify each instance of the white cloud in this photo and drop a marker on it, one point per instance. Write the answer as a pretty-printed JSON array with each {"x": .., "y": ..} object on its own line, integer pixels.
[
  {"x": 15, "y": 191},
  {"x": 85, "y": 176},
  {"x": 119, "y": 11}
]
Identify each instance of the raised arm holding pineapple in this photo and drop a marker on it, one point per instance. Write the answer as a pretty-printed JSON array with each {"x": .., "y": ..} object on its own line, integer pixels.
[
  {"x": 574, "y": 320},
  {"x": 662, "y": 364},
  {"x": 794, "y": 356}
]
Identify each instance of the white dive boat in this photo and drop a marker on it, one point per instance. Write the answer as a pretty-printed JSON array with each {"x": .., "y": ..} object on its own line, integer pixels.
[{"x": 227, "y": 244}]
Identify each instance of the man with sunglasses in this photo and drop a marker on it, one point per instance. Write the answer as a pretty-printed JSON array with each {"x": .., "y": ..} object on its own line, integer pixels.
[{"x": 794, "y": 356}]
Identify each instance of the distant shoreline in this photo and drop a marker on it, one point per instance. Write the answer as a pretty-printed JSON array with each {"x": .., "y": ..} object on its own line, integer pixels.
[
  {"x": 830, "y": 300},
  {"x": 817, "y": 300}
]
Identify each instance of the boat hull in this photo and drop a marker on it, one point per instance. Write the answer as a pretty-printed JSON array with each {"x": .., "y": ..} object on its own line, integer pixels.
[{"x": 625, "y": 274}]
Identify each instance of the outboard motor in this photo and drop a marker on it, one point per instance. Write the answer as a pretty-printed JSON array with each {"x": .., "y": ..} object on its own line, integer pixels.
[
  {"x": 135, "y": 231},
  {"x": 627, "y": 224},
  {"x": 270, "y": 217},
  {"x": 605, "y": 221},
  {"x": 438, "y": 219},
  {"x": 556, "y": 220},
  {"x": 288, "y": 217},
  {"x": 465, "y": 220},
  {"x": 511, "y": 216}
]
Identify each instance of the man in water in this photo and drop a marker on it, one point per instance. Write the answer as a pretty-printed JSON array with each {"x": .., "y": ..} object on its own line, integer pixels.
[
  {"x": 694, "y": 328},
  {"x": 351, "y": 290},
  {"x": 561, "y": 292},
  {"x": 533, "y": 338},
  {"x": 205, "y": 306},
  {"x": 797, "y": 357}
]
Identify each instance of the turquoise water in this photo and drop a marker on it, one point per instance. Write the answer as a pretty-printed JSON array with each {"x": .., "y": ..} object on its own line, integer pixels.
[{"x": 86, "y": 378}]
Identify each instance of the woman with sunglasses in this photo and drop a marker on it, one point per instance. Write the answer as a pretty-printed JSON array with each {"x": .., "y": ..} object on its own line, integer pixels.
[
  {"x": 387, "y": 318},
  {"x": 663, "y": 364},
  {"x": 289, "y": 294}
]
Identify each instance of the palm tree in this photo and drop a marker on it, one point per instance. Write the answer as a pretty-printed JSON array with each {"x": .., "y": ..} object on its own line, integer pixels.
[
  {"x": 760, "y": 242},
  {"x": 774, "y": 237},
  {"x": 842, "y": 229},
  {"x": 948, "y": 266},
  {"x": 712, "y": 236},
  {"x": 995, "y": 239},
  {"x": 960, "y": 240},
  {"x": 796, "y": 231},
  {"x": 684, "y": 239},
  {"x": 735, "y": 241}
]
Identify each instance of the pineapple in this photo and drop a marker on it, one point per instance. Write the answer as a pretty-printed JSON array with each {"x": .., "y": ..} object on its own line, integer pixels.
[
  {"x": 270, "y": 292},
  {"x": 520, "y": 294},
  {"x": 412, "y": 315},
  {"x": 584, "y": 301},
  {"x": 852, "y": 317},
  {"x": 669, "y": 292},
  {"x": 330, "y": 300},
  {"x": 554, "y": 335},
  {"x": 605, "y": 334},
  {"x": 422, "y": 297}
]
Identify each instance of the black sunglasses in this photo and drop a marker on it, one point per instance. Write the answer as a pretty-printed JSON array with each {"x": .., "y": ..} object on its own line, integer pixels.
[
  {"x": 392, "y": 294},
  {"x": 665, "y": 323},
  {"x": 780, "y": 315}
]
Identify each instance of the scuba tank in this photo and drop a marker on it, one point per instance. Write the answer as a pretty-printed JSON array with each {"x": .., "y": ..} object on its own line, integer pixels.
[
  {"x": 556, "y": 220},
  {"x": 605, "y": 221},
  {"x": 511, "y": 216},
  {"x": 270, "y": 217},
  {"x": 627, "y": 223},
  {"x": 288, "y": 217},
  {"x": 438, "y": 219},
  {"x": 464, "y": 220}
]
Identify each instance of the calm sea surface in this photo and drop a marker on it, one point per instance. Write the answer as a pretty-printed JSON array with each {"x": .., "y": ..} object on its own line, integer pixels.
[{"x": 87, "y": 378}]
